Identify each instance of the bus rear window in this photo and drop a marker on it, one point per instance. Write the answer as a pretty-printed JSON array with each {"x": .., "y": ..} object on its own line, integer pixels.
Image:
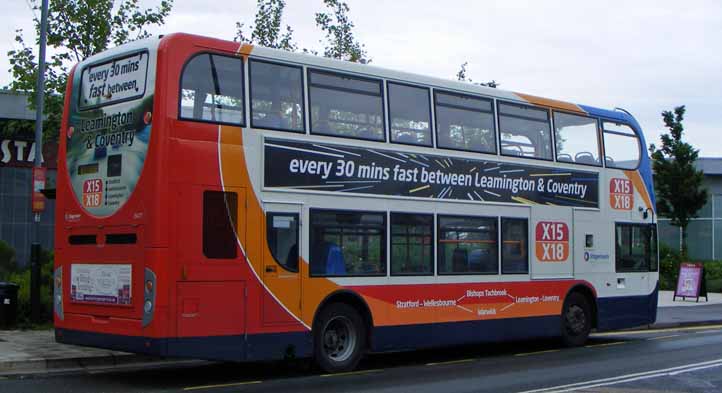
[{"x": 117, "y": 80}]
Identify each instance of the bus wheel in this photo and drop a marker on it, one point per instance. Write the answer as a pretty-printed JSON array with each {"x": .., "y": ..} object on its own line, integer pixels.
[
  {"x": 339, "y": 338},
  {"x": 576, "y": 320}
]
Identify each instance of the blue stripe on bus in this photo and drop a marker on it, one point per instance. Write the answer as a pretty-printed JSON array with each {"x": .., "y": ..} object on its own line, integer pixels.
[{"x": 627, "y": 311}]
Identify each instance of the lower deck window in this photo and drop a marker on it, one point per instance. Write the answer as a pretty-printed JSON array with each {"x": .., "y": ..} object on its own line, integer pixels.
[
  {"x": 412, "y": 244},
  {"x": 636, "y": 247},
  {"x": 346, "y": 243},
  {"x": 514, "y": 246},
  {"x": 468, "y": 245}
]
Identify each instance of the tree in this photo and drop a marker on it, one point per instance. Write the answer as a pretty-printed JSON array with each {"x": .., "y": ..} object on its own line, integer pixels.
[
  {"x": 461, "y": 76},
  {"x": 340, "y": 42},
  {"x": 678, "y": 184},
  {"x": 77, "y": 29},
  {"x": 267, "y": 29}
]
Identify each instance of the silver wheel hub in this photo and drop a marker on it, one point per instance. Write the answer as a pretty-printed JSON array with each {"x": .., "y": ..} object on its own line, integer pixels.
[{"x": 339, "y": 338}]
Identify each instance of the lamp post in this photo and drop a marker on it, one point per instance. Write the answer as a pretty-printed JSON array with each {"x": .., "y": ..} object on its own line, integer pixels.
[{"x": 38, "y": 173}]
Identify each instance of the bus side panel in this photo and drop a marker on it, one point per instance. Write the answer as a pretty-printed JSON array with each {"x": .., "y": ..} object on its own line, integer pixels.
[
  {"x": 408, "y": 337},
  {"x": 627, "y": 311}
]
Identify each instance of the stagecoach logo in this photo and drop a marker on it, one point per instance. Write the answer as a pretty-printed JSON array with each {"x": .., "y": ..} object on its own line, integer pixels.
[
  {"x": 591, "y": 256},
  {"x": 345, "y": 169},
  {"x": 552, "y": 241},
  {"x": 621, "y": 194}
]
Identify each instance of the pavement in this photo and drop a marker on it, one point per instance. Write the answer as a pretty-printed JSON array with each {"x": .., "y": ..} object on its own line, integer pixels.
[{"x": 35, "y": 351}]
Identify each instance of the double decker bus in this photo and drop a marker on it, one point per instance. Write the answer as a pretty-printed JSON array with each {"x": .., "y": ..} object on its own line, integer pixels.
[{"x": 225, "y": 201}]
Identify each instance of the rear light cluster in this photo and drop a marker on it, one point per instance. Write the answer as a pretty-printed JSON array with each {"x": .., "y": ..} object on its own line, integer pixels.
[
  {"x": 148, "y": 297},
  {"x": 58, "y": 292}
]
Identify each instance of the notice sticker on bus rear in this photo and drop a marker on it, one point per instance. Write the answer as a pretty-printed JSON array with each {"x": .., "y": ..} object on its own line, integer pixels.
[
  {"x": 105, "y": 284},
  {"x": 120, "y": 79}
]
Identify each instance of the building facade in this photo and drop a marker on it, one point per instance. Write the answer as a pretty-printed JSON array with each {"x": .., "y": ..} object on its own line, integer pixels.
[
  {"x": 704, "y": 233},
  {"x": 17, "y": 152}
]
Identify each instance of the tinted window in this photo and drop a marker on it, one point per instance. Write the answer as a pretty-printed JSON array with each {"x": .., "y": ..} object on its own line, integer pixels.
[
  {"x": 409, "y": 114},
  {"x": 282, "y": 236},
  {"x": 347, "y": 243},
  {"x": 276, "y": 96},
  {"x": 621, "y": 146},
  {"x": 411, "y": 244},
  {"x": 464, "y": 123},
  {"x": 576, "y": 139},
  {"x": 346, "y": 106},
  {"x": 468, "y": 245},
  {"x": 514, "y": 246},
  {"x": 636, "y": 248},
  {"x": 220, "y": 210},
  {"x": 525, "y": 131},
  {"x": 212, "y": 89}
]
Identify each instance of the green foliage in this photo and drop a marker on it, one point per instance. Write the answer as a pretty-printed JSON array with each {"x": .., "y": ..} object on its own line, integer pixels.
[
  {"x": 340, "y": 42},
  {"x": 76, "y": 29},
  {"x": 22, "y": 278},
  {"x": 669, "y": 260},
  {"x": 8, "y": 264},
  {"x": 267, "y": 29},
  {"x": 678, "y": 184}
]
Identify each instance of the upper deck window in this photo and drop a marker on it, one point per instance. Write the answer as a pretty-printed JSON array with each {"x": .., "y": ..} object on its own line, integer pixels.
[
  {"x": 212, "y": 89},
  {"x": 117, "y": 80},
  {"x": 276, "y": 96},
  {"x": 465, "y": 123},
  {"x": 346, "y": 106},
  {"x": 576, "y": 139},
  {"x": 621, "y": 146},
  {"x": 409, "y": 114},
  {"x": 525, "y": 131}
]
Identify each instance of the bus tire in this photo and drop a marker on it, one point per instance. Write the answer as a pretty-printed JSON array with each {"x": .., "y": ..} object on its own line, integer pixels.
[
  {"x": 339, "y": 338},
  {"x": 576, "y": 320}
]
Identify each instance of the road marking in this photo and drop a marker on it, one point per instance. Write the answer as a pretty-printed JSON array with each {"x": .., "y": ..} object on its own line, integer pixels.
[
  {"x": 351, "y": 373},
  {"x": 663, "y": 337},
  {"x": 536, "y": 353},
  {"x": 649, "y": 331},
  {"x": 605, "y": 344},
  {"x": 629, "y": 377},
  {"x": 451, "y": 362},
  {"x": 222, "y": 385}
]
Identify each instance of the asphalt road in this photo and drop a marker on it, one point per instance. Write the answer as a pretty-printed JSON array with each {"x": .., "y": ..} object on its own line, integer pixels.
[{"x": 675, "y": 360}]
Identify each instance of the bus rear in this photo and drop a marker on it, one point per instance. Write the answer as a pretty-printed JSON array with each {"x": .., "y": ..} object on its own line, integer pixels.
[{"x": 108, "y": 256}]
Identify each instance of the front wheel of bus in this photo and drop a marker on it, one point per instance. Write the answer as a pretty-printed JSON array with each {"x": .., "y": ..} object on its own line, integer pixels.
[
  {"x": 339, "y": 338},
  {"x": 576, "y": 320}
]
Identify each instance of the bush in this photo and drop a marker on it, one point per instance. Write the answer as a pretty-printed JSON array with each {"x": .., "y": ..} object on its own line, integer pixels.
[
  {"x": 8, "y": 264},
  {"x": 669, "y": 260},
  {"x": 22, "y": 278}
]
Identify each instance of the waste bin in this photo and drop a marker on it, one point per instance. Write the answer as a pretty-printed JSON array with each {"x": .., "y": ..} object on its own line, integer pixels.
[{"x": 8, "y": 304}]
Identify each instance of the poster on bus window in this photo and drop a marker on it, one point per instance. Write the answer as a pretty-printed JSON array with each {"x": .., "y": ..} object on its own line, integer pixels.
[
  {"x": 109, "y": 130},
  {"x": 106, "y": 284},
  {"x": 334, "y": 168}
]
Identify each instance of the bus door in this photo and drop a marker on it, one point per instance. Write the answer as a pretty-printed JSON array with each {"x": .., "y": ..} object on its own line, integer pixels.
[
  {"x": 281, "y": 262},
  {"x": 210, "y": 291},
  {"x": 551, "y": 232}
]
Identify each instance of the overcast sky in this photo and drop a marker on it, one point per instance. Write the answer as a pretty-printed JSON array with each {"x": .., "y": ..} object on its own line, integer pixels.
[{"x": 644, "y": 56}]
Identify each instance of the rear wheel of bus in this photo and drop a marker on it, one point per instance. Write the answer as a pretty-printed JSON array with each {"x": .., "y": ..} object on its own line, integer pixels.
[{"x": 339, "y": 338}]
